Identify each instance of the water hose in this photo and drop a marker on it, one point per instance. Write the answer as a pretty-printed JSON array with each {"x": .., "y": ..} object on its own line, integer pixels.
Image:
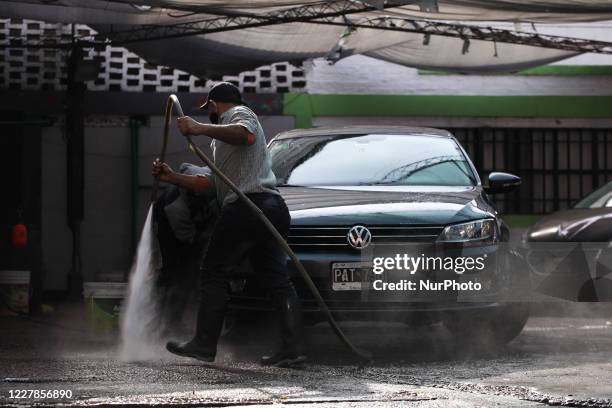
[
  {"x": 172, "y": 99},
  {"x": 173, "y": 103}
]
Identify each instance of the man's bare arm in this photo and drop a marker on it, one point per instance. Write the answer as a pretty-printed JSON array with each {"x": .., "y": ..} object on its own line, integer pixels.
[
  {"x": 232, "y": 134},
  {"x": 197, "y": 184}
]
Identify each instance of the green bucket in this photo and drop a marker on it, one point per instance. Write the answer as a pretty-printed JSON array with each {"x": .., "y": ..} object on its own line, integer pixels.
[
  {"x": 103, "y": 302},
  {"x": 15, "y": 292}
]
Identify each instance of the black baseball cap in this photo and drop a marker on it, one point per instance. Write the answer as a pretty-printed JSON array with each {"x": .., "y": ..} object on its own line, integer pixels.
[{"x": 224, "y": 92}]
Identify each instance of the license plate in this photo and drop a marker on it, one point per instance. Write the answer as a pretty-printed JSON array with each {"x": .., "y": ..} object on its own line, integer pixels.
[{"x": 351, "y": 275}]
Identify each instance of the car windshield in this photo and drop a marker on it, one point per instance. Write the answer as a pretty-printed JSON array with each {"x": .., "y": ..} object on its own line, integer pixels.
[
  {"x": 602, "y": 197},
  {"x": 371, "y": 159}
]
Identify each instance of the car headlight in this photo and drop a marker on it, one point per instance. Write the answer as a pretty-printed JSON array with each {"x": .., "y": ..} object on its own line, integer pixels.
[{"x": 481, "y": 230}]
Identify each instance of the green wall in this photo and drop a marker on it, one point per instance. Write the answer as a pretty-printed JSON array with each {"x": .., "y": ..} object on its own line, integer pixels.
[{"x": 305, "y": 106}]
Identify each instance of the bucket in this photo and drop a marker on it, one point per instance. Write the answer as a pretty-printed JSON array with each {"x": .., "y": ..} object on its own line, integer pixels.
[
  {"x": 103, "y": 304},
  {"x": 14, "y": 292}
]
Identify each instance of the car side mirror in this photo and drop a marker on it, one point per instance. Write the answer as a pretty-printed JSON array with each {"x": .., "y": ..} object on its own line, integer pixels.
[{"x": 502, "y": 183}]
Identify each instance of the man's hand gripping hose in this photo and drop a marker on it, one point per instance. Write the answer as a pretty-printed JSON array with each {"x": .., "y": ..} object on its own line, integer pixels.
[{"x": 173, "y": 103}]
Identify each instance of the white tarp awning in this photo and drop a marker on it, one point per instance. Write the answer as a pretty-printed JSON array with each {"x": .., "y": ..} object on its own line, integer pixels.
[
  {"x": 239, "y": 50},
  {"x": 131, "y": 12}
]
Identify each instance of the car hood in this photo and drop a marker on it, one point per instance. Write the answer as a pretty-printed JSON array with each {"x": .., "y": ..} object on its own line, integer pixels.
[
  {"x": 576, "y": 224},
  {"x": 340, "y": 205}
]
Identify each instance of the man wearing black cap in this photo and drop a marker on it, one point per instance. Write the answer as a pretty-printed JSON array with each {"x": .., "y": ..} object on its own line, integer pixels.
[{"x": 240, "y": 151}]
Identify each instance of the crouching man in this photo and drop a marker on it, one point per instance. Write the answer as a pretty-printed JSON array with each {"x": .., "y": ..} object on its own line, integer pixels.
[{"x": 240, "y": 151}]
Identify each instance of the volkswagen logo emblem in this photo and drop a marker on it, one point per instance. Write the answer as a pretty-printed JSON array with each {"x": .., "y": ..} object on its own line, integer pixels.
[{"x": 359, "y": 237}]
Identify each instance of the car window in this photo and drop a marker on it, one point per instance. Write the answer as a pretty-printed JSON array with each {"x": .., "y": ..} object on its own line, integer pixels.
[
  {"x": 370, "y": 159},
  {"x": 601, "y": 197}
]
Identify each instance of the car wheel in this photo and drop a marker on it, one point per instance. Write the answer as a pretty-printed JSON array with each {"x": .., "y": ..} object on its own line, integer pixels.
[{"x": 498, "y": 326}]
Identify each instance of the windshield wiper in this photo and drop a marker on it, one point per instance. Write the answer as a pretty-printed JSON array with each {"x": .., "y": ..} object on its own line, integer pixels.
[
  {"x": 396, "y": 181},
  {"x": 468, "y": 175}
]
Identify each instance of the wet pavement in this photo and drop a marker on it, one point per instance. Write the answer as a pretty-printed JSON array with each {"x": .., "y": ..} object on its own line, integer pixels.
[{"x": 555, "y": 361}]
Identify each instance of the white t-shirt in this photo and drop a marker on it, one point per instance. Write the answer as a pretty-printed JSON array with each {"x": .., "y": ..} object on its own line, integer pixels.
[{"x": 248, "y": 166}]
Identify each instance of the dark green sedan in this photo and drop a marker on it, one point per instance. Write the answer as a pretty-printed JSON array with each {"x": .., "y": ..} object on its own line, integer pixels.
[{"x": 393, "y": 223}]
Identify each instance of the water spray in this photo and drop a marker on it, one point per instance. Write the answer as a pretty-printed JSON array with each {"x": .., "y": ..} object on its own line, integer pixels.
[
  {"x": 173, "y": 103},
  {"x": 139, "y": 319}
]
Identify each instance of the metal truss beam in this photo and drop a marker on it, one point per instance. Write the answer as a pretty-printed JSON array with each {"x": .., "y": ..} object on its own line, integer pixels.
[
  {"x": 324, "y": 11},
  {"x": 327, "y": 13},
  {"x": 471, "y": 32}
]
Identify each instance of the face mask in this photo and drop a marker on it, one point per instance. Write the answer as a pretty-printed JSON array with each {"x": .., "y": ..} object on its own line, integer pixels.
[{"x": 214, "y": 118}]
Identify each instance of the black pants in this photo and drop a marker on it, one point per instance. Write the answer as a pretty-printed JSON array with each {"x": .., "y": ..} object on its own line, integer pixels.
[{"x": 238, "y": 234}]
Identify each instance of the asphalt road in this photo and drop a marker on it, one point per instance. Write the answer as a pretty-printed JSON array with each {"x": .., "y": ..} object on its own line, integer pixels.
[{"x": 555, "y": 361}]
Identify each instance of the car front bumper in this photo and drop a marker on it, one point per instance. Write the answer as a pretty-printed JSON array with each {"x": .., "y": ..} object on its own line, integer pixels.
[{"x": 498, "y": 284}]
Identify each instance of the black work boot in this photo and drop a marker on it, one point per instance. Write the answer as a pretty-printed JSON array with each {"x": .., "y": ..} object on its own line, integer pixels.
[
  {"x": 204, "y": 345},
  {"x": 193, "y": 349},
  {"x": 290, "y": 314}
]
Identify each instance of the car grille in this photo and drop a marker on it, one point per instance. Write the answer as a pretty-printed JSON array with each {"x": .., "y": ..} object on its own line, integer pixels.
[{"x": 334, "y": 237}]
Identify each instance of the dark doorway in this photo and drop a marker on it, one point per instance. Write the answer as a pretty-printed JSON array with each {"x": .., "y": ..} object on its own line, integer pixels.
[{"x": 20, "y": 201}]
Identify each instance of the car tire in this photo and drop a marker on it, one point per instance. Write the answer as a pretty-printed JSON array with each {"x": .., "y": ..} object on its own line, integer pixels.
[{"x": 498, "y": 326}]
